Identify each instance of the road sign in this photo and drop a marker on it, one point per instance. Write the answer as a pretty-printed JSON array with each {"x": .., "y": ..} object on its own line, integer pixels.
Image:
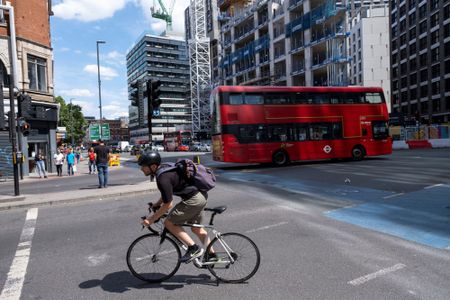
[
  {"x": 106, "y": 135},
  {"x": 94, "y": 132}
]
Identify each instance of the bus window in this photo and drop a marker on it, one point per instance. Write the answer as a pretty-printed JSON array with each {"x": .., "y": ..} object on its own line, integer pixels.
[
  {"x": 252, "y": 134},
  {"x": 254, "y": 99},
  {"x": 236, "y": 99},
  {"x": 299, "y": 132},
  {"x": 337, "y": 130},
  {"x": 380, "y": 130},
  {"x": 277, "y": 99},
  {"x": 319, "y": 131},
  {"x": 374, "y": 98},
  {"x": 278, "y": 133}
]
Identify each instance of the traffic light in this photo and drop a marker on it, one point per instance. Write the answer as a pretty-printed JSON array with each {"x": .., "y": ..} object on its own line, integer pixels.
[
  {"x": 24, "y": 102},
  {"x": 156, "y": 93},
  {"x": 24, "y": 126},
  {"x": 134, "y": 95}
]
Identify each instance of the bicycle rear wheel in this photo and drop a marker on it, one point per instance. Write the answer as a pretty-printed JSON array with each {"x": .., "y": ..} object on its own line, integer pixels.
[
  {"x": 151, "y": 261},
  {"x": 237, "y": 257}
]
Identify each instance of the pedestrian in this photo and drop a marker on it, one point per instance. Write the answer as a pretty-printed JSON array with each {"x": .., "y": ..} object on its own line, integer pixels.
[
  {"x": 59, "y": 161},
  {"x": 91, "y": 162},
  {"x": 40, "y": 165},
  {"x": 102, "y": 155},
  {"x": 77, "y": 154},
  {"x": 70, "y": 162}
]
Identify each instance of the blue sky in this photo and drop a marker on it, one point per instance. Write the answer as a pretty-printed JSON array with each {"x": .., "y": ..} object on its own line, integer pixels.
[{"x": 77, "y": 25}]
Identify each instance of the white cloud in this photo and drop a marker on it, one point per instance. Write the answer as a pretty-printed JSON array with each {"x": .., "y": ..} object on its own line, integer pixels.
[
  {"x": 114, "y": 110},
  {"x": 89, "y": 108},
  {"x": 115, "y": 58},
  {"x": 77, "y": 93},
  {"x": 105, "y": 72},
  {"x": 87, "y": 10}
]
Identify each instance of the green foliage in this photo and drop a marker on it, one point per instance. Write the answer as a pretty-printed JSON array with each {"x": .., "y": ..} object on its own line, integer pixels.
[{"x": 71, "y": 117}]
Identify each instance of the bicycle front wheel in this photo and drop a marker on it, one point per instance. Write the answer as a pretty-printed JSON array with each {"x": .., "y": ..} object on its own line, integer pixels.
[
  {"x": 237, "y": 257},
  {"x": 150, "y": 260}
]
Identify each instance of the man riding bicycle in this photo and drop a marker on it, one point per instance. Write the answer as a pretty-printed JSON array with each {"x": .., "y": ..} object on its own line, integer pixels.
[{"x": 189, "y": 210}]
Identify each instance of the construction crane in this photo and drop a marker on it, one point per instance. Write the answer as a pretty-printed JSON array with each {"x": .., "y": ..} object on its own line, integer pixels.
[{"x": 162, "y": 13}]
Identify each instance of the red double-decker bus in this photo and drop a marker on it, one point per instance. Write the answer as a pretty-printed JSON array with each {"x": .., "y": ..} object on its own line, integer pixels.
[
  {"x": 264, "y": 124},
  {"x": 177, "y": 140}
]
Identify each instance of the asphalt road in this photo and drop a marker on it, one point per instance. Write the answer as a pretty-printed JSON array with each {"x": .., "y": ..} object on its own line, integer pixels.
[{"x": 302, "y": 218}]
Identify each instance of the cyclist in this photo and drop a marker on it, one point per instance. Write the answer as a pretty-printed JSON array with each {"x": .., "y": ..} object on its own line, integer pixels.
[{"x": 189, "y": 210}]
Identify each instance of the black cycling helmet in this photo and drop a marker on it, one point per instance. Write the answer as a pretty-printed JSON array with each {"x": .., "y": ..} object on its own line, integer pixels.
[{"x": 149, "y": 158}]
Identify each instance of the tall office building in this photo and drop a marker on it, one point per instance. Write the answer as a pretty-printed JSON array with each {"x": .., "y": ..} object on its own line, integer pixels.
[
  {"x": 420, "y": 46},
  {"x": 161, "y": 58},
  {"x": 369, "y": 48}
]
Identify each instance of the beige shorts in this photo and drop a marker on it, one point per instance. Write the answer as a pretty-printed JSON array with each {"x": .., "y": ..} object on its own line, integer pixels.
[{"x": 188, "y": 211}]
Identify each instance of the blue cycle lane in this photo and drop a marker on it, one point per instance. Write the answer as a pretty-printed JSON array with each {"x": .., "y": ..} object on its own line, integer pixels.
[{"x": 422, "y": 216}]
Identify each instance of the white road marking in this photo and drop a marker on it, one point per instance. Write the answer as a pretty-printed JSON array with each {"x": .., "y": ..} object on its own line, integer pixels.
[
  {"x": 394, "y": 195},
  {"x": 16, "y": 275},
  {"x": 266, "y": 227},
  {"x": 95, "y": 260},
  {"x": 433, "y": 186},
  {"x": 364, "y": 279}
]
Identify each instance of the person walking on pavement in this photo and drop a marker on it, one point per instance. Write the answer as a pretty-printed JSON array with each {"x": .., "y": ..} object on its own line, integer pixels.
[
  {"x": 102, "y": 159},
  {"x": 70, "y": 162},
  {"x": 40, "y": 165},
  {"x": 59, "y": 161},
  {"x": 91, "y": 162}
]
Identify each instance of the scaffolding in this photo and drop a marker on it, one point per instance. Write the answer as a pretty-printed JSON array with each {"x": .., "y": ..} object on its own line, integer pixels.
[{"x": 200, "y": 65}]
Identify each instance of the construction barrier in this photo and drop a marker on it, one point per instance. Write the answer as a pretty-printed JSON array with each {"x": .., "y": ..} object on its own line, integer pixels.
[{"x": 114, "y": 160}]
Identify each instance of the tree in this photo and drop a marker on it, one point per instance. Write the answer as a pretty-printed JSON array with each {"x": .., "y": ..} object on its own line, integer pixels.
[{"x": 71, "y": 117}]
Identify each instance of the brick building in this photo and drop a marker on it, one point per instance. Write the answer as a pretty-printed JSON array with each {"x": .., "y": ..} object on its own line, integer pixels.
[{"x": 32, "y": 62}]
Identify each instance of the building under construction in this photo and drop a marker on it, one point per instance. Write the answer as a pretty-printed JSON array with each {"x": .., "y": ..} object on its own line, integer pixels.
[{"x": 283, "y": 42}]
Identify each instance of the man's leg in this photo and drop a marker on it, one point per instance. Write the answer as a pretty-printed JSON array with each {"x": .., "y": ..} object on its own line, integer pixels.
[
  {"x": 202, "y": 235},
  {"x": 105, "y": 178},
  {"x": 179, "y": 232},
  {"x": 100, "y": 175}
]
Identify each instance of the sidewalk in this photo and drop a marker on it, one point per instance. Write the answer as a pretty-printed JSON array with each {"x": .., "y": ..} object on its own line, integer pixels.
[{"x": 87, "y": 194}]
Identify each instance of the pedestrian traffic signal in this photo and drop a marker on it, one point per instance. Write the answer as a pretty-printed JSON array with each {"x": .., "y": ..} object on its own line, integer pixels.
[
  {"x": 24, "y": 102},
  {"x": 156, "y": 93},
  {"x": 24, "y": 126},
  {"x": 134, "y": 95}
]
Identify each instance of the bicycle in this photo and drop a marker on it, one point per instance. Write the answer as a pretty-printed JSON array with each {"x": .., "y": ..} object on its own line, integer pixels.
[{"x": 155, "y": 257}]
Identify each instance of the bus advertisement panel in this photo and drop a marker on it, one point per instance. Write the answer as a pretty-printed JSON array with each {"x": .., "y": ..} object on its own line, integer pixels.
[
  {"x": 281, "y": 124},
  {"x": 177, "y": 140}
]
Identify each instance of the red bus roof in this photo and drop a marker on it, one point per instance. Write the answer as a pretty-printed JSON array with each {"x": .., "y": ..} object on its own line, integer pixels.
[{"x": 296, "y": 89}]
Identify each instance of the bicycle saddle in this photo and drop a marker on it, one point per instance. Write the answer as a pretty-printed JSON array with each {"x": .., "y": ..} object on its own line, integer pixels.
[{"x": 217, "y": 210}]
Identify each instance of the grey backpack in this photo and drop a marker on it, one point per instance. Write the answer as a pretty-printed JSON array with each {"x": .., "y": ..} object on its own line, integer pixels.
[{"x": 195, "y": 174}]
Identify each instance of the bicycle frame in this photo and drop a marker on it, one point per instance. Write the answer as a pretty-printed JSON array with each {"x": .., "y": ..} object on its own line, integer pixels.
[{"x": 209, "y": 228}]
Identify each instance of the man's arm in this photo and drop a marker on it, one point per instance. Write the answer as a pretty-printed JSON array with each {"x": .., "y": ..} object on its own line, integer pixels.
[{"x": 165, "y": 207}]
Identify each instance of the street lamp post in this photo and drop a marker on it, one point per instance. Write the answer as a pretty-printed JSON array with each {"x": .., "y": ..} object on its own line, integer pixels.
[{"x": 99, "y": 89}]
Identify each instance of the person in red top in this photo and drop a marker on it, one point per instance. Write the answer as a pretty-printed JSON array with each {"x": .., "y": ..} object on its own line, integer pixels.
[{"x": 91, "y": 157}]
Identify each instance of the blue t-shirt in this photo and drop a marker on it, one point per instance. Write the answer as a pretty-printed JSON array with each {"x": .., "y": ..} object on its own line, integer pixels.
[{"x": 70, "y": 158}]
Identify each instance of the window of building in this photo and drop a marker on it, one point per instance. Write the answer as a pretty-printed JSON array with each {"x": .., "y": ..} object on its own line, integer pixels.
[
  {"x": 424, "y": 91},
  {"x": 423, "y": 43},
  {"x": 424, "y": 75},
  {"x": 413, "y": 94},
  {"x": 436, "y": 105},
  {"x": 424, "y": 107},
  {"x": 434, "y": 4},
  {"x": 37, "y": 68},
  {"x": 413, "y": 79},
  {"x": 412, "y": 49},
  {"x": 436, "y": 88},
  {"x": 412, "y": 19},
  {"x": 412, "y": 33},
  {"x": 434, "y": 20},
  {"x": 422, "y": 11},
  {"x": 423, "y": 27},
  {"x": 435, "y": 55},
  {"x": 403, "y": 25},
  {"x": 403, "y": 54},
  {"x": 423, "y": 60},
  {"x": 403, "y": 82},
  {"x": 435, "y": 37},
  {"x": 403, "y": 39},
  {"x": 447, "y": 12},
  {"x": 435, "y": 71}
]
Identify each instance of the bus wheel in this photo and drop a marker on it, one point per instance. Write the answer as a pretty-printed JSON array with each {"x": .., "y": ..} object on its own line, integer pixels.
[
  {"x": 280, "y": 158},
  {"x": 358, "y": 152}
]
